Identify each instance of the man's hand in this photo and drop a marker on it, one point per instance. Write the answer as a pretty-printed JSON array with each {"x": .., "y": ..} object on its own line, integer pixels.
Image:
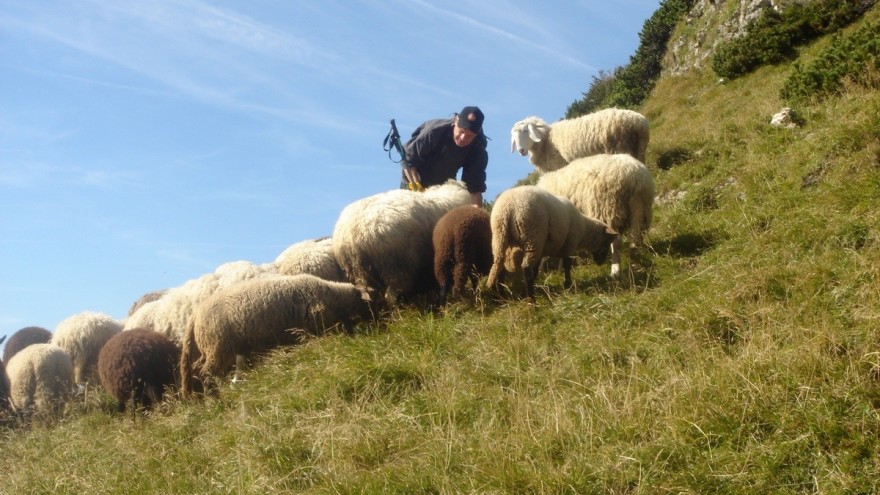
[{"x": 412, "y": 176}]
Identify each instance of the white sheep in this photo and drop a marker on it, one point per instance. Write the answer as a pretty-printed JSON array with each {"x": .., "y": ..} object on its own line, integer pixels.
[
  {"x": 529, "y": 223},
  {"x": 617, "y": 190},
  {"x": 313, "y": 257},
  {"x": 170, "y": 313},
  {"x": 40, "y": 379},
  {"x": 261, "y": 314},
  {"x": 81, "y": 336},
  {"x": 553, "y": 146},
  {"x": 384, "y": 241}
]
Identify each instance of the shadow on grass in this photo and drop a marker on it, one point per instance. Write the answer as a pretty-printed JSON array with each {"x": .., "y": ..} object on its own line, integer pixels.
[
  {"x": 672, "y": 157},
  {"x": 688, "y": 244}
]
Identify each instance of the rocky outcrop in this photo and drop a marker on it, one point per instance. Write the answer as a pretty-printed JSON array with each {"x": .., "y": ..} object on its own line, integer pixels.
[{"x": 709, "y": 23}]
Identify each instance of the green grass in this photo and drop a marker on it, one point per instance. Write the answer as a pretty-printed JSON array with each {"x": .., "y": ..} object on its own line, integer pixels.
[{"x": 742, "y": 357}]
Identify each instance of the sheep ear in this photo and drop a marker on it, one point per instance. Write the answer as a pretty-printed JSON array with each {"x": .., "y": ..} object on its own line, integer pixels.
[
  {"x": 610, "y": 231},
  {"x": 534, "y": 134},
  {"x": 365, "y": 293},
  {"x": 512, "y": 144}
]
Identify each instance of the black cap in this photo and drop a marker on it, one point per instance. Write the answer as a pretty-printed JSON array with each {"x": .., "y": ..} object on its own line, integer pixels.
[{"x": 471, "y": 118}]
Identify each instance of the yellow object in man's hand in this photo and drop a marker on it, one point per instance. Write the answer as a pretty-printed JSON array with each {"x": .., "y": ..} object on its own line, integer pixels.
[{"x": 413, "y": 180}]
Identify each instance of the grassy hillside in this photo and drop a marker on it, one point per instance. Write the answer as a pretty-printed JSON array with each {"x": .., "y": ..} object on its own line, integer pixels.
[{"x": 743, "y": 357}]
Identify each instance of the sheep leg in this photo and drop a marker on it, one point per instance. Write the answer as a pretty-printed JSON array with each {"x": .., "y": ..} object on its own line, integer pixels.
[
  {"x": 566, "y": 267},
  {"x": 460, "y": 274},
  {"x": 391, "y": 297},
  {"x": 441, "y": 298},
  {"x": 529, "y": 275},
  {"x": 240, "y": 364},
  {"x": 151, "y": 395},
  {"x": 475, "y": 278},
  {"x": 530, "y": 267},
  {"x": 616, "y": 246},
  {"x": 496, "y": 276}
]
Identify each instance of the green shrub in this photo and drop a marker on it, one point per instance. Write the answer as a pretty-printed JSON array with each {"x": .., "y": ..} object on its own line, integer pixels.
[
  {"x": 856, "y": 57},
  {"x": 600, "y": 90},
  {"x": 629, "y": 86},
  {"x": 772, "y": 37}
]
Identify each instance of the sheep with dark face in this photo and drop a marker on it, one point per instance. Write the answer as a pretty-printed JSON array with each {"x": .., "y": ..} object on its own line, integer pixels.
[
  {"x": 138, "y": 364},
  {"x": 529, "y": 223},
  {"x": 23, "y": 338},
  {"x": 462, "y": 249},
  {"x": 40, "y": 379},
  {"x": 553, "y": 146},
  {"x": 259, "y": 315},
  {"x": 82, "y": 336}
]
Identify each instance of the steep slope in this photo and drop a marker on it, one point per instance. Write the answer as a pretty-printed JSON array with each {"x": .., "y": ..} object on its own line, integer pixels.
[{"x": 744, "y": 357}]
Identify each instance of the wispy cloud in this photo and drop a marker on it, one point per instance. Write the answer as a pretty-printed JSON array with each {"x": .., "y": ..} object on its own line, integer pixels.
[
  {"x": 25, "y": 175},
  {"x": 185, "y": 46},
  {"x": 504, "y": 34}
]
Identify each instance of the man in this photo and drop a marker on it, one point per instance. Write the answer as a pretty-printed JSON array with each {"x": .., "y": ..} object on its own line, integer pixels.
[{"x": 439, "y": 148}]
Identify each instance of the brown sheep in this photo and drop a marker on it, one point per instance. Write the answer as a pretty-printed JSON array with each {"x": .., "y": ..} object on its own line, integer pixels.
[
  {"x": 23, "y": 338},
  {"x": 146, "y": 298},
  {"x": 462, "y": 249},
  {"x": 138, "y": 364}
]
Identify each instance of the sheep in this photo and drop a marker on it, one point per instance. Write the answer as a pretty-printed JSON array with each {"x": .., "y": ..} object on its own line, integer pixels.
[
  {"x": 258, "y": 315},
  {"x": 138, "y": 364},
  {"x": 617, "y": 190},
  {"x": 384, "y": 241},
  {"x": 462, "y": 242},
  {"x": 170, "y": 313},
  {"x": 529, "y": 223},
  {"x": 553, "y": 146},
  {"x": 4, "y": 384},
  {"x": 81, "y": 336},
  {"x": 23, "y": 338},
  {"x": 146, "y": 298},
  {"x": 40, "y": 379},
  {"x": 314, "y": 257}
]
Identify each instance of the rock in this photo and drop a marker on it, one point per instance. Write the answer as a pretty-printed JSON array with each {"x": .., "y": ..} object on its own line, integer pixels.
[
  {"x": 710, "y": 23},
  {"x": 786, "y": 118}
]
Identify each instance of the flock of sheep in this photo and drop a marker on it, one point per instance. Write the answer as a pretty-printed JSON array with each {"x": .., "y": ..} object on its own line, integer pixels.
[{"x": 392, "y": 248}]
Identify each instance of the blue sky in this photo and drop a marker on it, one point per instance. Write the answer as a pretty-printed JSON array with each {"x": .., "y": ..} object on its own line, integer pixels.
[{"x": 143, "y": 144}]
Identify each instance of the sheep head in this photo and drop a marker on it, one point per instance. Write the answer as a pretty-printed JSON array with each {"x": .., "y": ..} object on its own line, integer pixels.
[{"x": 525, "y": 133}]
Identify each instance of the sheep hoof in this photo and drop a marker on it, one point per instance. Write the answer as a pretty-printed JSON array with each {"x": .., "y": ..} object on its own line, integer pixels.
[{"x": 615, "y": 269}]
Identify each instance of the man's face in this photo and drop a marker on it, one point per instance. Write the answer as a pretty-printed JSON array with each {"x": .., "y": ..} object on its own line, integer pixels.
[{"x": 462, "y": 137}]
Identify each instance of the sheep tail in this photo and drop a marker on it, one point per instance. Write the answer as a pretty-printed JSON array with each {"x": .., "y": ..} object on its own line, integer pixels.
[
  {"x": 189, "y": 354},
  {"x": 513, "y": 257}
]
